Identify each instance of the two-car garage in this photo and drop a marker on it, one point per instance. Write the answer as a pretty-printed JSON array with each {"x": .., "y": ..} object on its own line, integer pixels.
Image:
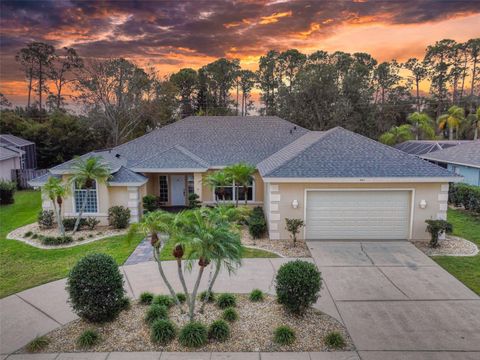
[{"x": 357, "y": 214}]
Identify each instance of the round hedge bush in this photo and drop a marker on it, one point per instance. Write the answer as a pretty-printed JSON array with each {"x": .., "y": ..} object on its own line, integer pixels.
[
  {"x": 284, "y": 335},
  {"x": 219, "y": 330},
  {"x": 156, "y": 312},
  {"x": 95, "y": 286},
  {"x": 298, "y": 285},
  {"x": 226, "y": 300},
  {"x": 193, "y": 335},
  {"x": 163, "y": 331},
  {"x": 230, "y": 314}
]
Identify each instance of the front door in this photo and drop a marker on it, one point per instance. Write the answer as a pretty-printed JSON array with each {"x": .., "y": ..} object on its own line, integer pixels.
[{"x": 178, "y": 190}]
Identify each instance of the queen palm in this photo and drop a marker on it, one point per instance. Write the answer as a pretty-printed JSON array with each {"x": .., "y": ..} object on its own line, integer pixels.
[
  {"x": 56, "y": 191},
  {"x": 242, "y": 175},
  {"x": 451, "y": 120},
  {"x": 217, "y": 181},
  {"x": 397, "y": 134},
  {"x": 87, "y": 172},
  {"x": 422, "y": 125}
]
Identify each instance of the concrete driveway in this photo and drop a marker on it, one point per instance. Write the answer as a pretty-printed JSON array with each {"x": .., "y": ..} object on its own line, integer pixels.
[{"x": 395, "y": 300}]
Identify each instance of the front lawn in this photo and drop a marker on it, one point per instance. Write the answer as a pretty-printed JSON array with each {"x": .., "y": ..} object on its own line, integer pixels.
[
  {"x": 23, "y": 266},
  {"x": 465, "y": 269}
]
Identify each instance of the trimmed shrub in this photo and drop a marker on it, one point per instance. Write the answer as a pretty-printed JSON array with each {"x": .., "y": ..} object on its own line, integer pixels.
[
  {"x": 181, "y": 298},
  {"x": 146, "y": 298},
  {"x": 226, "y": 300},
  {"x": 150, "y": 203},
  {"x": 219, "y": 330},
  {"x": 298, "y": 285},
  {"x": 46, "y": 219},
  {"x": 256, "y": 223},
  {"x": 203, "y": 296},
  {"x": 230, "y": 314},
  {"x": 156, "y": 312},
  {"x": 118, "y": 217},
  {"x": 38, "y": 344},
  {"x": 193, "y": 202},
  {"x": 334, "y": 340},
  {"x": 193, "y": 335},
  {"x": 95, "y": 286},
  {"x": 28, "y": 234},
  {"x": 91, "y": 223},
  {"x": 164, "y": 300},
  {"x": 88, "y": 338},
  {"x": 284, "y": 335},
  {"x": 256, "y": 295},
  {"x": 293, "y": 226},
  {"x": 56, "y": 240},
  {"x": 163, "y": 331},
  {"x": 437, "y": 228},
  {"x": 465, "y": 195},
  {"x": 7, "y": 191}
]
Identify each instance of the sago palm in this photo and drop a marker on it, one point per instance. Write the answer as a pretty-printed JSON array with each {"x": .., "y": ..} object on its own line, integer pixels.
[
  {"x": 397, "y": 134},
  {"x": 56, "y": 191},
  {"x": 422, "y": 125},
  {"x": 87, "y": 172},
  {"x": 217, "y": 181},
  {"x": 451, "y": 120},
  {"x": 242, "y": 175}
]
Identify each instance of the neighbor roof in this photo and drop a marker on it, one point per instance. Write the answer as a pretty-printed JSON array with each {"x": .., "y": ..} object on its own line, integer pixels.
[
  {"x": 465, "y": 154},
  {"x": 13, "y": 140},
  {"x": 339, "y": 153},
  {"x": 41, "y": 180},
  {"x": 420, "y": 147},
  {"x": 7, "y": 152}
]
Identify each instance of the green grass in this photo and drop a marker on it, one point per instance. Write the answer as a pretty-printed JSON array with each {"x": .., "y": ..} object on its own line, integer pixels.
[
  {"x": 23, "y": 266},
  {"x": 465, "y": 269}
]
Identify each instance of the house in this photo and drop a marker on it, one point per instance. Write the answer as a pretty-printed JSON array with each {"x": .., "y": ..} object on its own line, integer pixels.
[
  {"x": 29, "y": 157},
  {"x": 10, "y": 159},
  {"x": 422, "y": 147},
  {"x": 463, "y": 160},
  {"x": 344, "y": 185}
]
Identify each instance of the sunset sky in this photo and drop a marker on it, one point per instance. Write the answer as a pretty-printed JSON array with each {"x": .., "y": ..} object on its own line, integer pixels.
[{"x": 175, "y": 34}]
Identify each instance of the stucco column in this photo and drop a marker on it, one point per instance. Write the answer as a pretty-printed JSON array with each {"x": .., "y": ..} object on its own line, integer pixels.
[
  {"x": 274, "y": 198},
  {"x": 134, "y": 203},
  {"x": 197, "y": 181},
  {"x": 442, "y": 205}
]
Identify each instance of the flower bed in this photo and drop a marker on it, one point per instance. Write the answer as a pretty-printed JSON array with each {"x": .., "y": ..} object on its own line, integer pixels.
[
  {"x": 252, "y": 331},
  {"x": 283, "y": 248},
  {"x": 32, "y": 233}
]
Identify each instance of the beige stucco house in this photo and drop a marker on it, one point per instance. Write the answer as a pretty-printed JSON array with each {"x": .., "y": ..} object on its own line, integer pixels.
[{"x": 343, "y": 185}]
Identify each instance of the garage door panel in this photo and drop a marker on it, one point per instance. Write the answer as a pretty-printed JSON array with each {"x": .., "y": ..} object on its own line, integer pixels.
[{"x": 357, "y": 214}]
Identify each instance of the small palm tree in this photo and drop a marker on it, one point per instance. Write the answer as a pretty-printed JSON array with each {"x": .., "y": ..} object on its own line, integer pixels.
[
  {"x": 397, "y": 134},
  {"x": 217, "y": 181},
  {"x": 451, "y": 120},
  {"x": 242, "y": 175},
  {"x": 87, "y": 172},
  {"x": 474, "y": 122},
  {"x": 422, "y": 125},
  {"x": 56, "y": 191}
]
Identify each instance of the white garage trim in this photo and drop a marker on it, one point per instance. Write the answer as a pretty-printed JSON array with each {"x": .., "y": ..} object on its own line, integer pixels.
[{"x": 412, "y": 202}]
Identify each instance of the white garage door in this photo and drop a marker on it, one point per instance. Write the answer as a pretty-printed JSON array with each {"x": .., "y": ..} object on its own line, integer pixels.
[{"x": 356, "y": 214}]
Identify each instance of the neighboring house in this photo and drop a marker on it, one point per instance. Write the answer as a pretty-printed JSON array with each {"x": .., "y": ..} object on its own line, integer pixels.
[
  {"x": 463, "y": 160},
  {"x": 344, "y": 185},
  {"x": 422, "y": 147},
  {"x": 10, "y": 159},
  {"x": 29, "y": 158}
]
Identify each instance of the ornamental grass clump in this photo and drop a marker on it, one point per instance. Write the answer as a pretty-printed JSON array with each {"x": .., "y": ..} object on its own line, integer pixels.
[
  {"x": 164, "y": 300},
  {"x": 256, "y": 295},
  {"x": 226, "y": 300},
  {"x": 284, "y": 335},
  {"x": 146, "y": 298},
  {"x": 193, "y": 335},
  {"x": 334, "y": 340},
  {"x": 156, "y": 312},
  {"x": 211, "y": 296},
  {"x": 181, "y": 298},
  {"x": 219, "y": 331},
  {"x": 163, "y": 331},
  {"x": 38, "y": 344},
  {"x": 88, "y": 338},
  {"x": 230, "y": 314}
]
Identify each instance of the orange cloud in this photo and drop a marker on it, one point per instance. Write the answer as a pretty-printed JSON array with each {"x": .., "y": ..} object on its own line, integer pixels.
[{"x": 274, "y": 17}]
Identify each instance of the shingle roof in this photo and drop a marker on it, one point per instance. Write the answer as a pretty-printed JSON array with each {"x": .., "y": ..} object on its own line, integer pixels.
[
  {"x": 13, "y": 140},
  {"x": 126, "y": 176},
  {"x": 464, "y": 154},
  {"x": 7, "y": 152},
  {"x": 339, "y": 153},
  {"x": 420, "y": 147},
  {"x": 113, "y": 160},
  {"x": 41, "y": 180},
  {"x": 177, "y": 157},
  {"x": 218, "y": 140}
]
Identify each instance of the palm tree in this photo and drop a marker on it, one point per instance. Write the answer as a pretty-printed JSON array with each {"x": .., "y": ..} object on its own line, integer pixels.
[
  {"x": 217, "y": 181},
  {"x": 87, "y": 172},
  {"x": 451, "y": 120},
  {"x": 397, "y": 134},
  {"x": 422, "y": 125},
  {"x": 242, "y": 176},
  {"x": 474, "y": 122},
  {"x": 56, "y": 191}
]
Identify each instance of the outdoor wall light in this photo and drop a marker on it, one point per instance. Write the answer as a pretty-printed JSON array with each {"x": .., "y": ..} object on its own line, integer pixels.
[
  {"x": 423, "y": 204},
  {"x": 295, "y": 204}
]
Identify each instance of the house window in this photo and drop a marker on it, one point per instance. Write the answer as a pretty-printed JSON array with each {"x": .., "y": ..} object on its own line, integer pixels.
[
  {"x": 91, "y": 205},
  {"x": 163, "y": 196},
  {"x": 190, "y": 184},
  {"x": 230, "y": 193}
]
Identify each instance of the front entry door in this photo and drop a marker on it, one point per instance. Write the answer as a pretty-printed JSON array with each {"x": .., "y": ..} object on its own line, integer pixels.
[{"x": 178, "y": 190}]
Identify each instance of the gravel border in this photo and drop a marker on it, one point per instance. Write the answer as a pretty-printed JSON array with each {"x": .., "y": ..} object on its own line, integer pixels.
[
  {"x": 253, "y": 331},
  {"x": 283, "y": 248},
  {"x": 101, "y": 232},
  {"x": 451, "y": 246}
]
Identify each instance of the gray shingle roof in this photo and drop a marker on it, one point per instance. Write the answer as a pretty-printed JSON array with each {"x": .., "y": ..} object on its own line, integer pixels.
[
  {"x": 339, "y": 153},
  {"x": 464, "y": 154},
  {"x": 420, "y": 147},
  {"x": 177, "y": 157},
  {"x": 218, "y": 140},
  {"x": 41, "y": 180},
  {"x": 7, "y": 152},
  {"x": 126, "y": 176},
  {"x": 9, "y": 139},
  {"x": 109, "y": 157}
]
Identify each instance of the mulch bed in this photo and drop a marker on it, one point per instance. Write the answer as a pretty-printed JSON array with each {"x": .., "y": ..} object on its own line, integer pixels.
[
  {"x": 253, "y": 331},
  {"x": 451, "y": 246}
]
